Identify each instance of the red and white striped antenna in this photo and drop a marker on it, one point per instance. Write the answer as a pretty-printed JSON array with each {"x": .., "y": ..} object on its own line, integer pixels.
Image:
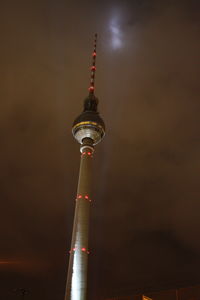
[{"x": 93, "y": 67}]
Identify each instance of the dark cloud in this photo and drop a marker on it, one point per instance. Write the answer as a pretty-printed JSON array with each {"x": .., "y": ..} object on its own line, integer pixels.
[{"x": 145, "y": 220}]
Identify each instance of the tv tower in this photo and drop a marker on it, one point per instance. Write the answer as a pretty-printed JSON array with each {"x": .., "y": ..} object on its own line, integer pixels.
[{"x": 88, "y": 129}]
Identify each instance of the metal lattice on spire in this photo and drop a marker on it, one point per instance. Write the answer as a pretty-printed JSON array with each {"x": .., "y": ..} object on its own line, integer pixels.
[{"x": 93, "y": 67}]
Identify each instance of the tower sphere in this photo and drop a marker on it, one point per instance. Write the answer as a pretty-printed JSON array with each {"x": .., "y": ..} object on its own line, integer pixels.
[{"x": 89, "y": 124}]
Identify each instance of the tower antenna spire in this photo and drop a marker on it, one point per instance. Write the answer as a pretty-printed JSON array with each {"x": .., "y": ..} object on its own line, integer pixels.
[{"x": 93, "y": 67}]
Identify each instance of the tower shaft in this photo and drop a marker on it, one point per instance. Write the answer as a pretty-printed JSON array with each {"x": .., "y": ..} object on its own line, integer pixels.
[{"x": 77, "y": 270}]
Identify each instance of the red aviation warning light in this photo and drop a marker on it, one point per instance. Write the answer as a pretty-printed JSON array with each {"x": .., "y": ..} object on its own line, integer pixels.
[{"x": 91, "y": 88}]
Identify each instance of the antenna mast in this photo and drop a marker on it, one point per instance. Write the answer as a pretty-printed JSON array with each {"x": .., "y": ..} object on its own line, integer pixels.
[{"x": 93, "y": 67}]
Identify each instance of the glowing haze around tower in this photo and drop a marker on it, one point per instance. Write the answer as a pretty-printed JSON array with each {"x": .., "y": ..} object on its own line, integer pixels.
[{"x": 88, "y": 129}]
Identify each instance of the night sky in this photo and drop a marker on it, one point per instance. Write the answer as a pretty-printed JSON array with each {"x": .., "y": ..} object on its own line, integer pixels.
[{"x": 145, "y": 223}]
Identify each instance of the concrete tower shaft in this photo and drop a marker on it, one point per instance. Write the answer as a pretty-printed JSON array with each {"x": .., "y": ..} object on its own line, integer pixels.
[{"x": 77, "y": 271}]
